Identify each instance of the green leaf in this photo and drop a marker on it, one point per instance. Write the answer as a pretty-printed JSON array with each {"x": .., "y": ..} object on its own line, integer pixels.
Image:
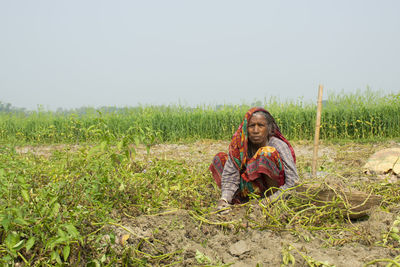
[
  {"x": 55, "y": 256},
  {"x": 5, "y": 223},
  {"x": 121, "y": 188},
  {"x": 54, "y": 199},
  {"x": 103, "y": 258},
  {"x": 133, "y": 150},
  {"x": 18, "y": 212},
  {"x": 6, "y": 258},
  {"x": 44, "y": 210},
  {"x": 61, "y": 233},
  {"x": 55, "y": 210},
  {"x": 72, "y": 230},
  {"x": 126, "y": 152},
  {"x": 120, "y": 144},
  {"x": 59, "y": 240},
  {"x": 11, "y": 240},
  {"x": 66, "y": 251},
  {"x": 29, "y": 244},
  {"x": 112, "y": 238},
  {"x": 103, "y": 145},
  {"x": 25, "y": 195},
  {"x": 20, "y": 221},
  {"x": 137, "y": 141},
  {"x": 90, "y": 128},
  {"x": 116, "y": 158},
  {"x": 21, "y": 180},
  {"x": 395, "y": 236},
  {"x": 19, "y": 245},
  {"x": 201, "y": 258},
  {"x": 94, "y": 263}
]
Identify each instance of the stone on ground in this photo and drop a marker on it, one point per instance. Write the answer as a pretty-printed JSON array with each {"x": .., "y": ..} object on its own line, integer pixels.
[{"x": 384, "y": 161}]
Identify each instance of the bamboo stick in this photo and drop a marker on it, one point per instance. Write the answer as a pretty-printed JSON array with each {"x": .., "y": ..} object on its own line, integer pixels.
[{"x": 316, "y": 136}]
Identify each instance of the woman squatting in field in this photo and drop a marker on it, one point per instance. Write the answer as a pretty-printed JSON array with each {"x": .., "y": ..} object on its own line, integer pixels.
[{"x": 260, "y": 159}]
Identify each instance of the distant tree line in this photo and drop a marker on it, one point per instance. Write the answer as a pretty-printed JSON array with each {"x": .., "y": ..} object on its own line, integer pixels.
[{"x": 8, "y": 108}]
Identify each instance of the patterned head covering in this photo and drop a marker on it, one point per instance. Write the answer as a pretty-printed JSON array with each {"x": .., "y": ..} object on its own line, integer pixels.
[{"x": 239, "y": 145}]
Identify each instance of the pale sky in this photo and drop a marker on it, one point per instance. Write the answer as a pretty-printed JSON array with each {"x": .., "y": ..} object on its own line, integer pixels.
[{"x": 123, "y": 53}]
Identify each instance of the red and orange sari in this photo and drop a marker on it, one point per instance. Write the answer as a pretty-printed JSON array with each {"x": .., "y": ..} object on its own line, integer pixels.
[{"x": 253, "y": 171}]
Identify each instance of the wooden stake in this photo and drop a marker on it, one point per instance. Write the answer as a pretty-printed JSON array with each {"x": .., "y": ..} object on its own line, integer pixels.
[{"x": 316, "y": 136}]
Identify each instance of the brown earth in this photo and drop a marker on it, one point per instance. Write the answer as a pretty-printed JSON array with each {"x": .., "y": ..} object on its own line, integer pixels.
[
  {"x": 211, "y": 242},
  {"x": 245, "y": 246}
]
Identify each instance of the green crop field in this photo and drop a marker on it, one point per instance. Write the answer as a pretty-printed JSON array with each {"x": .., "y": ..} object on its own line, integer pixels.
[
  {"x": 355, "y": 117},
  {"x": 131, "y": 187}
]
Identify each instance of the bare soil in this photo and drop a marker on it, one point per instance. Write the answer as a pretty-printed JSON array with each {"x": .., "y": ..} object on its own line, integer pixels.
[{"x": 245, "y": 246}]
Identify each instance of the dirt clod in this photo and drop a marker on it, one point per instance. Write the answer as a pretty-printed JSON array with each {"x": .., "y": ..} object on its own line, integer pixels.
[{"x": 239, "y": 248}]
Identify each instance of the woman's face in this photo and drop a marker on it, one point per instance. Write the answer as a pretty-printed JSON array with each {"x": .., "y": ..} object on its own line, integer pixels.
[{"x": 257, "y": 129}]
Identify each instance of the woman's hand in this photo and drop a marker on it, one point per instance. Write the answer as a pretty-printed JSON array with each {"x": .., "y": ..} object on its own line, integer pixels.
[{"x": 223, "y": 205}]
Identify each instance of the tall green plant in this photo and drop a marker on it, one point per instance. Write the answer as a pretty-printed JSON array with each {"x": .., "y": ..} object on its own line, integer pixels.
[{"x": 357, "y": 116}]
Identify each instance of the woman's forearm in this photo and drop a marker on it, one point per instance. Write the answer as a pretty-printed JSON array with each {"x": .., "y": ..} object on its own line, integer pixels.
[{"x": 230, "y": 181}]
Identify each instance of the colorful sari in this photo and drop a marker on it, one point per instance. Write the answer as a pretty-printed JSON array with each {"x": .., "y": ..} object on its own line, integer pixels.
[{"x": 254, "y": 172}]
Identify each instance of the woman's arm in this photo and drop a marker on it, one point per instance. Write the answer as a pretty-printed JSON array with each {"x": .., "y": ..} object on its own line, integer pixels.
[
  {"x": 230, "y": 181},
  {"x": 291, "y": 176}
]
